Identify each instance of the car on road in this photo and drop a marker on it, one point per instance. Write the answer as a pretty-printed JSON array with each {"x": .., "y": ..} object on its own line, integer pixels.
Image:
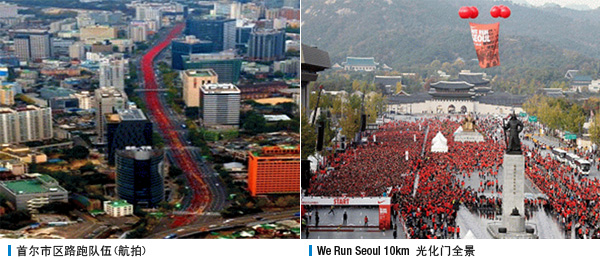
[{"x": 171, "y": 236}]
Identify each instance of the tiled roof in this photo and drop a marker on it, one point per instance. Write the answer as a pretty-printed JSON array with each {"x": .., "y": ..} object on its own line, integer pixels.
[
  {"x": 457, "y": 85},
  {"x": 360, "y": 61}
]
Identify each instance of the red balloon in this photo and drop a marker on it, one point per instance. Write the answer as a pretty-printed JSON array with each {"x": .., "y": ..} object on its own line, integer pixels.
[
  {"x": 474, "y": 12},
  {"x": 464, "y": 12},
  {"x": 505, "y": 12},
  {"x": 495, "y": 11}
]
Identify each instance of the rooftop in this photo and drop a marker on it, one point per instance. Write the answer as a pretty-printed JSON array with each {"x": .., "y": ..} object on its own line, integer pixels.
[
  {"x": 112, "y": 118},
  {"x": 456, "y": 85},
  {"x": 278, "y": 151},
  {"x": 387, "y": 80},
  {"x": 191, "y": 39},
  {"x": 360, "y": 61},
  {"x": 200, "y": 73},
  {"x": 273, "y": 101},
  {"x": 119, "y": 203},
  {"x": 131, "y": 114},
  {"x": 473, "y": 78},
  {"x": 41, "y": 184},
  {"x": 220, "y": 88},
  {"x": 275, "y": 118},
  {"x": 582, "y": 78}
]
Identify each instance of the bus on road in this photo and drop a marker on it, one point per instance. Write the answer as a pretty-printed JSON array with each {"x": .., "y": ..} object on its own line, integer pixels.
[
  {"x": 559, "y": 155},
  {"x": 583, "y": 166}
]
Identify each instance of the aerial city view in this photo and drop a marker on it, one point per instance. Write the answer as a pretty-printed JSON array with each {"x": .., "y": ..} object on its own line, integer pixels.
[
  {"x": 450, "y": 119},
  {"x": 149, "y": 119}
]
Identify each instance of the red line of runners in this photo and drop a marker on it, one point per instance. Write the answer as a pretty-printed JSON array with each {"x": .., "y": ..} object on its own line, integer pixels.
[{"x": 200, "y": 194}]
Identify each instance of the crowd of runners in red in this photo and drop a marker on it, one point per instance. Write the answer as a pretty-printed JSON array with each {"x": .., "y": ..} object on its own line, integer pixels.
[
  {"x": 183, "y": 159},
  {"x": 430, "y": 187}
]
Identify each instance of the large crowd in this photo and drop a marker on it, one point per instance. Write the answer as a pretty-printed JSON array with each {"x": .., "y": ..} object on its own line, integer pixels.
[
  {"x": 429, "y": 187},
  {"x": 574, "y": 202}
]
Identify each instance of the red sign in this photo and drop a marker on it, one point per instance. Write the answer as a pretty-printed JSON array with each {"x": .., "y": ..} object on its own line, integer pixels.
[
  {"x": 384, "y": 217},
  {"x": 341, "y": 201},
  {"x": 485, "y": 39}
]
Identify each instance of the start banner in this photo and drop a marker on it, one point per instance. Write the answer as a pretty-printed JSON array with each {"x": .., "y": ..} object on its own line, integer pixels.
[{"x": 485, "y": 39}]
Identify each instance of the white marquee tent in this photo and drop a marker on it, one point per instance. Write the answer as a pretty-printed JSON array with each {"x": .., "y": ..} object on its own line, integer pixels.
[{"x": 439, "y": 143}]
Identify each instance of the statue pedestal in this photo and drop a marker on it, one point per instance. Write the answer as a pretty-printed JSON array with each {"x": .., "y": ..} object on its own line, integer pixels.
[
  {"x": 513, "y": 194},
  {"x": 513, "y": 224},
  {"x": 466, "y": 136}
]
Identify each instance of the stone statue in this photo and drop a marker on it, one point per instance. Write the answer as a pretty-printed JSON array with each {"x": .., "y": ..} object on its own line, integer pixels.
[
  {"x": 468, "y": 124},
  {"x": 515, "y": 212},
  {"x": 514, "y": 126}
]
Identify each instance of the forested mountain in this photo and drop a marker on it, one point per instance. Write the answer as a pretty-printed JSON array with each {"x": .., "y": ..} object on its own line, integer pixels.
[{"x": 542, "y": 42}]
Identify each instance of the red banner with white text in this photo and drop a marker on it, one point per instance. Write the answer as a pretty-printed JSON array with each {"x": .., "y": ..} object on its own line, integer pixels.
[{"x": 485, "y": 39}]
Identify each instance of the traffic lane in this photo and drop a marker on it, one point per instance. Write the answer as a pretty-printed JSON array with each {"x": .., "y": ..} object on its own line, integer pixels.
[
  {"x": 594, "y": 172},
  {"x": 215, "y": 184},
  {"x": 208, "y": 222},
  {"x": 182, "y": 157}
]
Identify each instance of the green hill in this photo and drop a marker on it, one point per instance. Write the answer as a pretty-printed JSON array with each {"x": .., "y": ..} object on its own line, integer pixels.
[{"x": 535, "y": 43}]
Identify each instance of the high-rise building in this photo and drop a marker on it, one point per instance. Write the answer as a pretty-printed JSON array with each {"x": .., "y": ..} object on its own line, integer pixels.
[
  {"x": 149, "y": 13},
  {"x": 83, "y": 20},
  {"x": 7, "y": 96},
  {"x": 187, "y": 46},
  {"x": 266, "y": 45},
  {"x": 32, "y": 45},
  {"x": 140, "y": 174},
  {"x": 138, "y": 31},
  {"x": 192, "y": 81},
  {"x": 8, "y": 10},
  {"x": 26, "y": 124},
  {"x": 226, "y": 64},
  {"x": 230, "y": 10},
  {"x": 84, "y": 99},
  {"x": 60, "y": 47},
  {"x": 128, "y": 127},
  {"x": 112, "y": 73},
  {"x": 97, "y": 33},
  {"x": 242, "y": 35},
  {"x": 220, "y": 104},
  {"x": 107, "y": 101},
  {"x": 62, "y": 103},
  {"x": 289, "y": 67},
  {"x": 77, "y": 51},
  {"x": 219, "y": 30},
  {"x": 66, "y": 24},
  {"x": 274, "y": 170}
]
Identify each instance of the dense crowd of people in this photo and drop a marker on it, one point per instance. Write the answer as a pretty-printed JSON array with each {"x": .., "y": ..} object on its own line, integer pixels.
[
  {"x": 575, "y": 203},
  {"x": 429, "y": 187}
]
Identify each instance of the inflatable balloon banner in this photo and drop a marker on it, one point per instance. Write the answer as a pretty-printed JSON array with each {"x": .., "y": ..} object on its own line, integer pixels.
[
  {"x": 485, "y": 39},
  {"x": 485, "y": 36}
]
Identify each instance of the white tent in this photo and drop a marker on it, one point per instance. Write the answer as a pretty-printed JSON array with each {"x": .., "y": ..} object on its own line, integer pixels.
[
  {"x": 460, "y": 129},
  {"x": 439, "y": 143},
  {"x": 469, "y": 235}
]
